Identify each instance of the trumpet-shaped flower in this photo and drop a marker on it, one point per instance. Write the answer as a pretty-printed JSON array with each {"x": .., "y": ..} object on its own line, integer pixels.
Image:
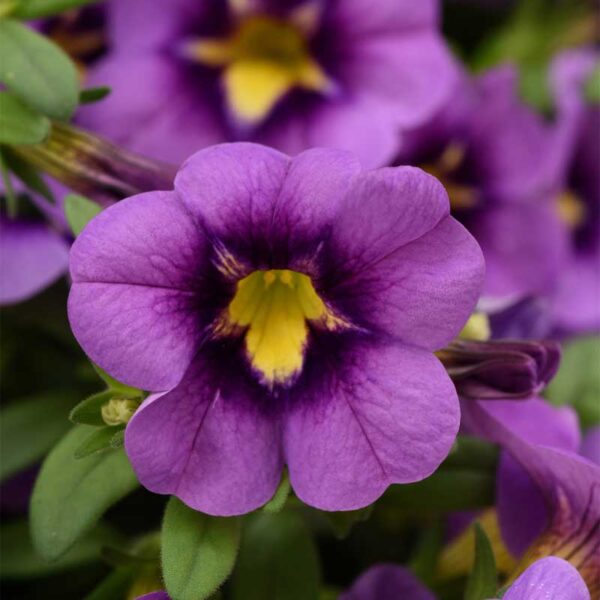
[
  {"x": 348, "y": 74},
  {"x": 288, "y": 310}
]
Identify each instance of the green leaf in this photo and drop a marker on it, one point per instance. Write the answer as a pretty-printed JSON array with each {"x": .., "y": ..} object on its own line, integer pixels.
[
  {"x": 88, "y": 411},
  {"x": 472, "y": 453},
  {"x": 38, "y": 71},
  {"x": 577, "y": 382},
  {"x": 427, "y": 551},
  {"x": 277, "y": 502},
  {"x": 483, "y": 579},
  {"x": 98, "y": 441},
  {"x": 34, "y": 9},
  {"x": 342, "y": 522},
  {"x": 79, "y": 212},
  {"x": 29, "y": 427},
  {"x": 592, "y": 87},
  {"x": 19, "y": 559},
  {"x": 93, "y": 94},
  {"x": 8, "y": 194},
  {"x": 70, "y": 495},
  {"x": 278, "y": 560},
  {"x": 114, "y": 586},
  {"x": 198, "y": 551},
  {"x": 20, "y": 124},
  {"x": 446, "y": 490},
  {"x": 27, "y": 174},
  {"x": 117, "y": 386},
  {"x": 118, "y": 439}
]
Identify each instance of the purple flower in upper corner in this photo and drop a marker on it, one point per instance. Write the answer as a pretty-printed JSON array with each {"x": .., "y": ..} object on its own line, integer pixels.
[
  {"x": 567, "y": 487},
  {"x": 576, "y": 304},
  {"x": 498, "y": 160},
  {"x": 350, "y": 74},
  {"x": 550, "y": 578},
  {"x": 290, "y": 306}
]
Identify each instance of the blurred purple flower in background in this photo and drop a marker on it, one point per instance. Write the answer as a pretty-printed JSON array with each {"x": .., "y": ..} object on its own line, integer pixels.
[
  {"x": 291, "y": 307},
  {"x": 349, "y": 74}
]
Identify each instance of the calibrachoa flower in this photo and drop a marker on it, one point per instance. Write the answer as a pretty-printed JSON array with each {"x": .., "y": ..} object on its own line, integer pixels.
[
  {"x": 288, "y": 308},
  {"x": 547, "y": 579},
  {"x": 349, "y": 74}
]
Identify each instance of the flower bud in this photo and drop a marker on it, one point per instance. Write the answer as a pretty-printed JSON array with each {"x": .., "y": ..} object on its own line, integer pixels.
[{"x": 118, "y": 411}]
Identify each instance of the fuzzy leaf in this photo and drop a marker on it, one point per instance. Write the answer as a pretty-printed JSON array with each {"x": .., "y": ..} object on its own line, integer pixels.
[
  {"x": 93, "y": 94},
  {"x": 20, "y": 124},
  {"x": 88, "y": 411},
  {"x": 70, "y": 495},
  {"x": 98, "y": 441},
  {"x": 79, "y": 212},
  {"x": 198, "y": 551}
]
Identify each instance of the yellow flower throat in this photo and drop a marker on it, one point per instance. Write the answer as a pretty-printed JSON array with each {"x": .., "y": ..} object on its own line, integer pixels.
[{"x": 273, "y": 308}]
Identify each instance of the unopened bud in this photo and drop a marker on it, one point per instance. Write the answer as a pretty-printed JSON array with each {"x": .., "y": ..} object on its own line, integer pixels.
[{"x": 118, "y": 411}]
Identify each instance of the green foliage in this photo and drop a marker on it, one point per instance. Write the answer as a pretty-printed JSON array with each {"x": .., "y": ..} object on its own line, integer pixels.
[
  {"x": 342, "y": 522},
  {"x": 114, "y": 586},
  {"x": 278, "y": 560},
  {"x": 99, "y": 441},
  {"x": 117, "y": 386},
  {"x": 592, "y": 87},
  {"x": 70, "y": 495},
  {"x": 20, "y": 561},
  {"x": 20, "y": 124},
  {"x": 577, "y": 382},
  {"x": 34, "y": 9},
  {"x": 88, "y": 411},
  {"x": 198, "y": 551},
  {"x": 27, "y": 174},
  {"x": 79, "y": 212},
  {"x": 29, "y": 427},
  {"x": 38, "y": 71},
  {"x": 93, "y": 94},
  {"x": 277, "y": 502},
  {"x": 483, "y": 580}
]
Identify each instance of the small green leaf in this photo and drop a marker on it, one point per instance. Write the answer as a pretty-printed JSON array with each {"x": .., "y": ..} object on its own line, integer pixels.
[
  {"x": 98, "y": 441},
  {"x": 20, "y": 561},
  {"x": 592, "y": 87},
  {"x": 93, "y": 94},
  {"x": 198, "y": 551},
  {"x": 577, "y": 382},
  {"x": 483, "y": 579},
  {"x": 29, "y": 427},
  {"x": 38, "y": 71},
  {"x": 342, "y": 522},
  {"x": 116, "y": 585},
  {"x": 117, "y": 386},
  {"x": 27, "y": 174},
  {"x": 10, "y": 198},
  {"x": 427, "y": 551},
  {"x": 88, "y": 411},
  {"x": 277, "y": 502},
  {"x": 118, "y": 439},
  {"x": 278, "y": 559},
  {"x": 34, "y": 9},
  {"x": 79, "y": 212},
  {"x": 70, "y": 495},
  {"x": 20, "y": 124}
]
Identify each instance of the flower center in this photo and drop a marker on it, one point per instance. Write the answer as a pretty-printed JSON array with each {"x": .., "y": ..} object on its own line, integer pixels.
[
  {"x": 273, "y": 309},
  {"x": 262, "y": 60},
  {"x": 571, "y": 209}
]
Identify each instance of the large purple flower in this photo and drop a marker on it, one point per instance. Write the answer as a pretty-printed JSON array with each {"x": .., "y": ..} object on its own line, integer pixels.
[
  {"x": 349, "y": 74},
  {"x": 550, "y": 578},
  {"x": 290, "y": 307}
]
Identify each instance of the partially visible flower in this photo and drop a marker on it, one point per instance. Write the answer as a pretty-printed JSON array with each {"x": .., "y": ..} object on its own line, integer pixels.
[
  {"x": 569, "y": 488},
  {"x": 550, "y": 578},
  {"x": 590, "y": 445},
  {"x": 291, "y": 307},
  {"x": 349, "y": 74}
]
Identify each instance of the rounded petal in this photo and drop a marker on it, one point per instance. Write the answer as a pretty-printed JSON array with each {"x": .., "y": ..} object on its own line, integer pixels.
[
  {"x": 387, "y": 582},
  {"x": 210, "y": 441},
  {"x": 262, "y": 205},
  {"x": 137, "y": 276},
  {"x": 32, "y": 256},
  {"x": 550, "y": 578},
  {"x": 369, "y": 415},
  {"x": 154, "y": 108},
  {"x": 399, "y": 263}
]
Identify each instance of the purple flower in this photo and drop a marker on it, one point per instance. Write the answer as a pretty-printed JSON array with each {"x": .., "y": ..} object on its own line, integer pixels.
[
  {"x": 290, "y": 307},
  {"x": 577, "y": 300},
  {"x": 160, "y": 595},
  {"x": 349, "y": 74},
  {"x": 568, "y": 486},
  {"x": 498, "y": 160},
  {"x": 550, "y": 578},
  {"x": 590, "y": 445}
]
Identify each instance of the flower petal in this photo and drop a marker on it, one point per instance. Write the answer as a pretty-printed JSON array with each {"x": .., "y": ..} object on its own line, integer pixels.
[
  {"x": 32, "y": 256},
  {"x": 399, "y": 264},
  {"x": 210, "y": 441},
  {"x": 369, "y": 415},
  {"x": 136, "y": 281},
  {"x": 262, "y": 205},
  {"x": 550, "y": 578},
  {"x": 387, "y": 582}
]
